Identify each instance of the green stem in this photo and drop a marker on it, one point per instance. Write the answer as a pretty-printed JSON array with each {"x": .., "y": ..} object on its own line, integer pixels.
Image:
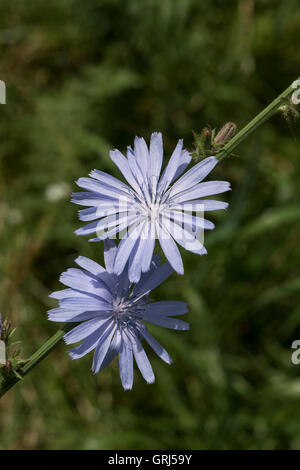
[
  {"x": 40, "y": 354},
  {"x": 256, "y": 122},
  {"x": 9, "y": 381}
]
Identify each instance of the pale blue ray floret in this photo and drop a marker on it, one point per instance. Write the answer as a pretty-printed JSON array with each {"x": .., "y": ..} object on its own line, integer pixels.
[
  {"x": 112, "y": 311},
  {"x": 152, "y": 205}
]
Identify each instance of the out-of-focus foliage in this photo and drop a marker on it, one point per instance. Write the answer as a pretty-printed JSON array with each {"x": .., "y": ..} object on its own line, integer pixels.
[{"x": 86, "y": 76}]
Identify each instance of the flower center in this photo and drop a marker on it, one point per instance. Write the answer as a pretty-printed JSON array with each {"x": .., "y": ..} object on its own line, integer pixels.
[
  {"x": 151, "y": 211},
  {"x": 126, "y": 311}
]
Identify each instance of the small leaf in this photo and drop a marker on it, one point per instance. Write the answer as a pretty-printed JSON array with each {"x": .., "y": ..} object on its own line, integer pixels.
[{"x": 17, "y": 374}]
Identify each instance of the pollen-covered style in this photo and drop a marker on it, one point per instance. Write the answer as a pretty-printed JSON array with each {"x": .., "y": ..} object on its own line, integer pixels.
[
  {"x": 112, "y": 312},
  {"x": 149, "y": 207}
]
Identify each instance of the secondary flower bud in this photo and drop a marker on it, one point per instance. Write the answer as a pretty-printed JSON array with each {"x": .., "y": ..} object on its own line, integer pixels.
[{"x": 225, "y": 133}]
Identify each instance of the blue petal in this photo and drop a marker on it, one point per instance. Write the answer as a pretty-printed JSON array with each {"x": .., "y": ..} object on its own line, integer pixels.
[
  {"x": 154, "y": 264},
  {"x": 62, "y": 294},
  {"x": 172, "y": 167},
  {"x": 119, "y": 228},
  {"x": 187, "y": 220},
  {"x": 142, "y": 360},
  {"x": 111, "y": 221},
  {"x": 200, "y": 205},
  {"x": 187, "y": 239},
  {"x": 140, "y": 258},
  {"x": 113, "y": 350},
  {"x": 135, "y": 261},
  {"x": 167, "y": 308},
  {"x": 110, "y": 250},
  {"x": 91, "y": 199},
  {"x": 156, "y": 155},
  {"x": 63, "y": 315},
  {"x": 104, "y": 189},
  {"x": 103, "y": 210},
  {"x": 88, "y": 229},
  {"x": 148, "y": 250},
  {"x": 170, "y": 250},
  {"x": 109, "y": 179},
  {"x": 157, "y": 348},
  {"x": 86, "y": 328},
  {"x": 126, "y": 363},
  {"x": 84, "y": 305},
  {"x": 185, "y": 159},
  {"x": 135, "y": 168},
  {"x": 102, "y": 348},
  {"x": 89, "y": 265},
  {"x": 166, "y": 322},
  {"x": 154, "y": 279},
  {"x": 202, "y": 190},
  {"x": 88, "y": 344},
  {"x": 196, "y": 174},
  {"x": 125, "y": 247},
  {"x": 122, "y": 163},
  {"x": 141, "y": 154},
  {"x": 80, "y": 280}
]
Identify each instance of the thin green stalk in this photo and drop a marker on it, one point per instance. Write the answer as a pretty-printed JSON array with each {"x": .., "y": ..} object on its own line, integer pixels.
[
  {"x": 256, "y": 122},
  {"x": 41, "y": 353},
  {"x": 37, "y": 357}
]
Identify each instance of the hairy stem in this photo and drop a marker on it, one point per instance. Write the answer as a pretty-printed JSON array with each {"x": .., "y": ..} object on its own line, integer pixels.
[
  {"x": 11, "y": 379},
  {"x": 271, "y": 109}
]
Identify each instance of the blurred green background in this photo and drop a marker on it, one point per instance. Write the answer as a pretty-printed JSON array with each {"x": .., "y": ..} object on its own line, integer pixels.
[{"x": 84, "y": 77}]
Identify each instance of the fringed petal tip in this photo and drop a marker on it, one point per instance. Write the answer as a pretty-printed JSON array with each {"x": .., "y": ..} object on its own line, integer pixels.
[
  {"x": 127, "y": 388},
  {"x": 66, "y": 340},
  {"x": 73, "y": 355},
  {"x": 50, "y": 316},
  {"x": 202, "y": 252},
  {"x": 97, "y": 239},
  {"x": 169, "y": 361},
  {"x": 52, "y": 295},
  {"x": 150, "y": 381}
]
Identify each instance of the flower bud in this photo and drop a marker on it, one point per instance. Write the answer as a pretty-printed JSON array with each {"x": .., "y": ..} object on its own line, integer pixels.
[{"x": 225, "y": 133}]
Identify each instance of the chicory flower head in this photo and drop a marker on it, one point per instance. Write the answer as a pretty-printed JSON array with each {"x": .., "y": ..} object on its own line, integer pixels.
[
  {"x": 150, "y": 206},
  {"x": 112, "y": 313}
]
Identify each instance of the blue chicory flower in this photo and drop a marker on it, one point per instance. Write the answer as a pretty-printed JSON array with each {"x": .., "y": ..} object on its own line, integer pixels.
[
  {"x": 113, "y": 311},
  {"x": 148, "y": 207}
]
